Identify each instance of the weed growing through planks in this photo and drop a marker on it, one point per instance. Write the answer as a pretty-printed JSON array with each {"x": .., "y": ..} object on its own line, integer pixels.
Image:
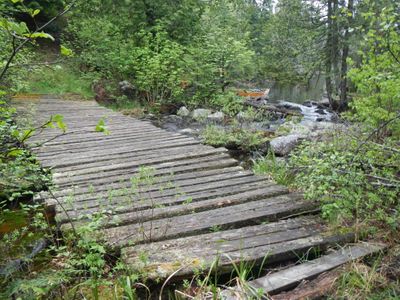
[
  {"x": 209, "y": 285},
  {"x": 147, "y": 196},
  {"x": 215, "y": 228},
  {"x": 188, "y": 201},
  {"x": 361, "y": 281},
  {"x": 310, "y": 254},
  {"x": 274, "y": 168}
]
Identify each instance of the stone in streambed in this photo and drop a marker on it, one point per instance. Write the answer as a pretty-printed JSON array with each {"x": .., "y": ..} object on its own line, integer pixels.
[
  {"x": 283, "y": 145},
  {"x": 183, "y": 112},
  {"x": 201, "y": 114},
  {"x": 218, "y": 117}
]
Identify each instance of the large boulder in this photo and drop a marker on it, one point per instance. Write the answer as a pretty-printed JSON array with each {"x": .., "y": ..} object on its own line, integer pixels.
[
  {"x": 217, "y": 117},
  {"x": 183, "y": 112},
  {"x": 283, "y": 145},
  {"x": 127, "y": 89},
  {"x": 201, "y": 114}
]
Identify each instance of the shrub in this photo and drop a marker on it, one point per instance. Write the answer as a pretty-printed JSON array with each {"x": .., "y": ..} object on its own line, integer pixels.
[
  {"x": 377, "y": 79},
  {"x": 352, "y": 180},
  {"x": 158, "y": 67},
  {"x": 228, "y": 102}
]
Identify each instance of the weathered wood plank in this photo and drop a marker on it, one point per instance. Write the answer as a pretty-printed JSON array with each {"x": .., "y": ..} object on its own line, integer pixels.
[
  {"x": 161, "y": 183},
  {"x": 76, "y": 163},
  {"x": 130, "y": 162},
  {"x": 235, "y": 216},
  {"x": 126, "y": 213},
  {"x": 71, "y": 137},
  {"x": 269, "y": 243},
  {"x": 123, "y": 205},
  {"x": 156, "y": 163},
  {"x": 171, "y": 167},
  {"x": 290, "y": 277},
  {"x": 113, "y": 143},
  {"x": 127, "y": 197},
  {"x": 123, "y": 149}
]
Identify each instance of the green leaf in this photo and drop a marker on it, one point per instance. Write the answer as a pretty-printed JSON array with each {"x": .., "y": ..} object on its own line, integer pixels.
[
  {"x": 101, "y": 127},
  {"x": 39, "y": 35},
  {"x": 66, "y": 51},
  {"x": 35, "y": 12},
  {"x": 15, "y": 152},
  {"x": 27, "y": 134},
  {"x": 58, "y": 120},
  {"x": 18, "y": 28}
]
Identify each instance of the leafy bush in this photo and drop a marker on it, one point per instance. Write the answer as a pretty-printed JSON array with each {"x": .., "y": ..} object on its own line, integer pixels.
[
  {"x": 353, "y": 180},
  {"x": 377, "y": 79},
  {"x": 138, "y": 43},
  {"x": 158, "y": 66},
  {"x": 20, "y": 173},
  {"x": 228, "y": 102}
]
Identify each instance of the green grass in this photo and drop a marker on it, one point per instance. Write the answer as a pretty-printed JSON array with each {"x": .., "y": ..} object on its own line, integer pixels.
[
  {"x": 58, "y": 79},
  {"x": 236, "y": 138},
  {"x": 275, "y": 169}
]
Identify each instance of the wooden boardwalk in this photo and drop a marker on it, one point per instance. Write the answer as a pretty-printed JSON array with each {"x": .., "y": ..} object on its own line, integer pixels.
[{"x": 196, "y": 205}]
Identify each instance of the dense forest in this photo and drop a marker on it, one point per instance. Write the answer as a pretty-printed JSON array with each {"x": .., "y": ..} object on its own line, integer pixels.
[{"x": 154, "y": 59}]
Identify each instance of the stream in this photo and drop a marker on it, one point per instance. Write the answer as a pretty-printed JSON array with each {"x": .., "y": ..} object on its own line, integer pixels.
[{"x": 315, "y": 117}]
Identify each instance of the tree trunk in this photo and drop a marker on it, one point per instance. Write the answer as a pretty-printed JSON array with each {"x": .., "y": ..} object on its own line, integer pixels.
[
  {"x": 332, "y": 53},
  {"x": 328, "y": 55},
  {"x": 345, "y": 54},
  {"x": 335, "y": 47}
]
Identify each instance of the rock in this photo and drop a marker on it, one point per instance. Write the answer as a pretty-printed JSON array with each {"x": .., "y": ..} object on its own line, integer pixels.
[
  {"x": 189, "y": 131},
  {"x": 183, "y": 112},
  {"x": 200, "y": 114},
  {"x": 101, "y": 94},
  {"x": 308, "y": 103},
  {"x": 324, "y": 102},
  {"x": 241, "y": 116},
  {"x": 263, "y": 148},
  {"x": 173, "y": 119},
  {"x": 283, "y": 145},
  {"x": 151, "y": 116},
  {"x": 218, "y": 116},
  {"x": 167, "y": 108},
  {"x": 289, "y": 106},
  {"x": 127, "y": 88}
]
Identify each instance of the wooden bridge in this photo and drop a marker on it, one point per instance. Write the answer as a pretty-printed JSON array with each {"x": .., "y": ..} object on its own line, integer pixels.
[{"x": 192, "y": 202}]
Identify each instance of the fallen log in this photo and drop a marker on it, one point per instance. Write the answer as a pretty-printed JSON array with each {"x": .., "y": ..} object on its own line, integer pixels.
[{"x": 260, "y": 105}]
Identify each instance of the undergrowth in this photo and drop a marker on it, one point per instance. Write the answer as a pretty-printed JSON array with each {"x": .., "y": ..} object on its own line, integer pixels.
[
  {"x": 58, "y": 79},
  {"x": 235, "y": 138},
  {"x": 354, "y": 181}
]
